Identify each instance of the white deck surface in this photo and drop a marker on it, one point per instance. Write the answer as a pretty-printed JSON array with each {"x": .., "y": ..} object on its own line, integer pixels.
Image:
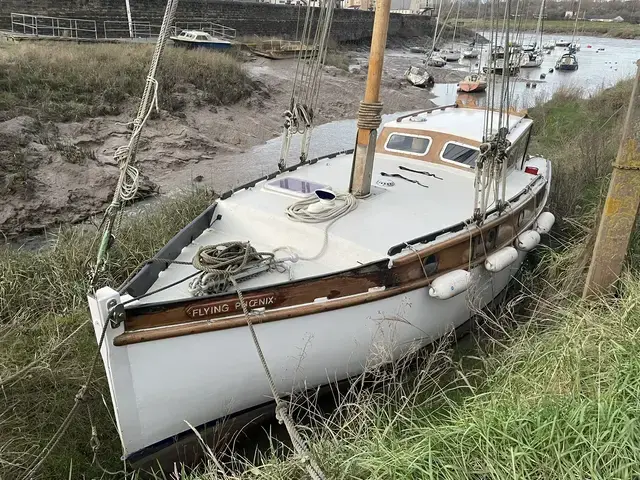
[{"x": 388, "y": 217}]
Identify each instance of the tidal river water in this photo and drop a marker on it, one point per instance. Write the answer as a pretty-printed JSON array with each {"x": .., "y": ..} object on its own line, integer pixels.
[{"x": 597, "y": 69}]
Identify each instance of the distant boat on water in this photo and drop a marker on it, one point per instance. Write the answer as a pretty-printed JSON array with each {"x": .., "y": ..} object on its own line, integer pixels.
[
  {"x": 568, "y": 61},
  {"x": 197, "y": 39}
]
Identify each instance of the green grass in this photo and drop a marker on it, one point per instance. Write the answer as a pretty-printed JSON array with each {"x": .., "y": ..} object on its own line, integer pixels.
[
  {"x": 52, "y": 81},
  {"x": 581, "y": 137},
  {"x": 556, "y": 399},
  {"x": 43, "y": 300},
  {"x": 617, "y": 30}
]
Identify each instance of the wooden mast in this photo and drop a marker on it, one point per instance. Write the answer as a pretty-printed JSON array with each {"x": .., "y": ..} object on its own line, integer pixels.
[{"x": 369, "y": 113}]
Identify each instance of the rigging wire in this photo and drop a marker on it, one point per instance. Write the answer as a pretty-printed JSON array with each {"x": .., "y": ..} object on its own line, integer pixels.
[
  {"x": 125, "y": 156},
  {"x": 305, "y": 91}
]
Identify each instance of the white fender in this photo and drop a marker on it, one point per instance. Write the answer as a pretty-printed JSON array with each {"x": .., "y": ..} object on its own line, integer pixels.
[
  {"x": 450, "y": 284},
  {"x": 544, "y": 222},
  {"x": 501, "y": 259},
  {"x": 528, "y": 240}
]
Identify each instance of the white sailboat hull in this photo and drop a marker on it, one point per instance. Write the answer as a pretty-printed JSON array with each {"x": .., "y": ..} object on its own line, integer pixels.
[
  {"x": 528, "y": 62},
  {"x": 158, "y": 386}
]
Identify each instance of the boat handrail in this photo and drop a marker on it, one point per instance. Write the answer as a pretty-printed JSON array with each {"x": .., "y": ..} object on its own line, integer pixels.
[
  {"x": 430, "y": 237},
  {"x": 428, "y": 110}
]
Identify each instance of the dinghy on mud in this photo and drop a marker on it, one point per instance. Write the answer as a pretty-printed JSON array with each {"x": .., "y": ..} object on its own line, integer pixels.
[
  {"x": 310, "y": 274},
  {"x": 419, "y": 77}
]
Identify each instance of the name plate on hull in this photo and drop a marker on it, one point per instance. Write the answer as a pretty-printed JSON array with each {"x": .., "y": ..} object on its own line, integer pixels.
[{"x": 227, "y": 307}]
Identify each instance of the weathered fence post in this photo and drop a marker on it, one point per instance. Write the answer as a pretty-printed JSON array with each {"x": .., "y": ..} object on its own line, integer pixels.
[{"x": 621, "y": 206}]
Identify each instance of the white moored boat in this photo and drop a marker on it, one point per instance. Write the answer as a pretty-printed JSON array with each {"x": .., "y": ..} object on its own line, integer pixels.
[
  {"x": 339, "y": 262},
  {"x": 449, "y": 55},
  {"x": 175, "y": 358},
  {"x": 532, "y": 59}
]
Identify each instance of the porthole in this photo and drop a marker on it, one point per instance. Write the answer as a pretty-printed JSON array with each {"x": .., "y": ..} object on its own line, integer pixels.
[{"x": 430, "y": 265}]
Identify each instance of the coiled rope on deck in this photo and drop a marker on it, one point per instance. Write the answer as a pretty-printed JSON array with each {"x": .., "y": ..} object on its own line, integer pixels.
[
  {"x": 220, "y": 263},
  {"x": 299, "y": 212}
]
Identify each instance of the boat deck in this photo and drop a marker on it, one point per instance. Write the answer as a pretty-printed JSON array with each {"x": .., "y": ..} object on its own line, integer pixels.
[{"x": 387, "y": 218}]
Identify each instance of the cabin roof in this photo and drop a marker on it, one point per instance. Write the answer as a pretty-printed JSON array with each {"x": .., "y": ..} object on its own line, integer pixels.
[
  {"x": 194, "y": 32},
  {"x": 460, "y": 121}
]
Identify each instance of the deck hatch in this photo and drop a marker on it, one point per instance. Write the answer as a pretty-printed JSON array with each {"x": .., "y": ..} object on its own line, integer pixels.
[{"x": 294, "y": 186}]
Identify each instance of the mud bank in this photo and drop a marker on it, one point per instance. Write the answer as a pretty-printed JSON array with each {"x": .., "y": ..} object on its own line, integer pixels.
[{"x": 58, "y": 173}]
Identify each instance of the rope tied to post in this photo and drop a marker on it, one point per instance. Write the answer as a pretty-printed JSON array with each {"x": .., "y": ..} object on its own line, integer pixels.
[{"x": 370, "y": 115}]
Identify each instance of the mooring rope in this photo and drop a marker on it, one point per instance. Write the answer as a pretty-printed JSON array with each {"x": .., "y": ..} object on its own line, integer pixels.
[
  {"x": 219, "y": 265},
  {"x": 282, "y": 409}
]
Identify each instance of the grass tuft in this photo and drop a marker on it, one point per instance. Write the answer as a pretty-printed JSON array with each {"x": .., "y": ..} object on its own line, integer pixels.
[
  {"x": 42, "y": 301},
  {"x": 51, "y": 81}
]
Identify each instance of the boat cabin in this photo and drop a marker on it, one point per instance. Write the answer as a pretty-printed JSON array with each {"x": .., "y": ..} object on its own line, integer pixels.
[
  {"x": 195, "y": 36},
  {"x": 431, "y": 136}
]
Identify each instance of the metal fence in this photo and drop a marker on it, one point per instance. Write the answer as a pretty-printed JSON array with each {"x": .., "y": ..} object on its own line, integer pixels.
[
  {"x": 211, "y": 28},
  {"x": 120, "y": 29},
  {"x": 41, "y": 26}
]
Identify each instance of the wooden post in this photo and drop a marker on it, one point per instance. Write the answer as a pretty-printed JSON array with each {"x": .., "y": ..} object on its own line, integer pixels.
[
  {"x": 362, "y": 168},
  {"x": 621, "y": 206}
]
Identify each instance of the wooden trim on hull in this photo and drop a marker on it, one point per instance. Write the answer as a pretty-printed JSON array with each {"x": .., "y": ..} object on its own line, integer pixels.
[
  {"x": 309, "y": 296},
  {"x": 180, "y": 330}
]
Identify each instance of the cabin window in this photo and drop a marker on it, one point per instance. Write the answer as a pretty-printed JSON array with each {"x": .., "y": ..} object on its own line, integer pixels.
[
  {"x": 201, "y": 37},
  {"x": 430, "y": 265},
  {"x": 413, "y": 144},
  {"x": 459, "y": 153},
  {"x": 518, "y": 150}
]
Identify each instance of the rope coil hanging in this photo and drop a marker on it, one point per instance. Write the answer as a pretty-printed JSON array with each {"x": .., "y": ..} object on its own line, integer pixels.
[
  {"x": 125, "y": 155},
  {"x": 306, "y": 84}
]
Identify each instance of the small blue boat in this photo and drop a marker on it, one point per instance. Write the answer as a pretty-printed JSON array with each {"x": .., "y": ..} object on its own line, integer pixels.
[{"x": 197, "y": 39}]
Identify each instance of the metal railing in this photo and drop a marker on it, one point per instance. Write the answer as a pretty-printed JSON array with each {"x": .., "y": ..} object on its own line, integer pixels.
[
  {"x": 215, "y": 29},
  {"x": 42, "y": 26},
  {"x": 120, "y": 29}
]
